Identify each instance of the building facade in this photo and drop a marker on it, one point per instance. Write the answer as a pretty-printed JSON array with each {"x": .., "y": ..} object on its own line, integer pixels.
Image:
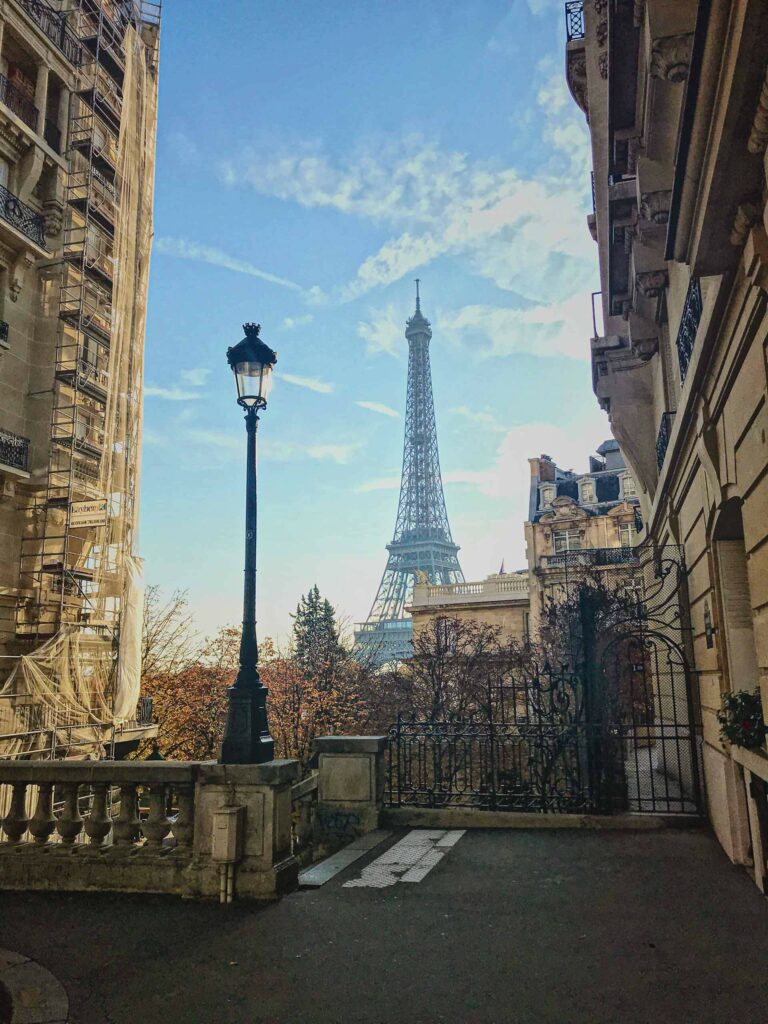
[
  {"x": 573, "y": 518},
  {"x": 500, "y": 600},
  {"x": 78, "y": 112},
  {"x": 676, "y": 97}
]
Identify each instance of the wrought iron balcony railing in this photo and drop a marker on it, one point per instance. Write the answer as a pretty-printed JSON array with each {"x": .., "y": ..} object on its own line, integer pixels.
[
  {"x": 574, "y": 19},
  {"x": 689, "y": 326},
  {"x": 22, "y": 217},
  {"x": 18, "y": 101},
  {"x": 14, "y": 450},
  {"x": 3, "y": 334},
  {"x": 662, "y": 439},
  {"x": 590, "y": 557},
  {"x": 54, "y": 25}
]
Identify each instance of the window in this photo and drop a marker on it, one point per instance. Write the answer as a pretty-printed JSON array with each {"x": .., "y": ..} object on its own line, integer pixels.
[
  {"x": 547, "y": 494},
  {"x": 567, "y": 540},
  {"x": 630, "y": 491},
  {"x": 588, "y": 492},
  {"x": 626, "y": 535}
]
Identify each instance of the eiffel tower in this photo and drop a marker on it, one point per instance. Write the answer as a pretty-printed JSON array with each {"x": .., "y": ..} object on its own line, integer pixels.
[{"x": 422, "y": 543}]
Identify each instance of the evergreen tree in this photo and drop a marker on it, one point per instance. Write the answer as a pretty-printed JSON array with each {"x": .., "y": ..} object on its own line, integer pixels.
[{"x": 316, "y": 635}]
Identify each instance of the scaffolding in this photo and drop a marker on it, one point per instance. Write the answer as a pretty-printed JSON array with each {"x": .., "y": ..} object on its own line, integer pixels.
[{"x": 79, "y": 571}]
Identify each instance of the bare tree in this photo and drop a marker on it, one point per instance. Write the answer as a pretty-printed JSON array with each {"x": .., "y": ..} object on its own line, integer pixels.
[{"x": 169, "y": 640}]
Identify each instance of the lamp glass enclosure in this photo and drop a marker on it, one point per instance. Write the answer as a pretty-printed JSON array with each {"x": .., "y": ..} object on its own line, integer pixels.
[{"x": 254, "y": 381}]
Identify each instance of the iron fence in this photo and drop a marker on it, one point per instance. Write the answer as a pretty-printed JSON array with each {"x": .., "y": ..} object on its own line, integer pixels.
[
  {"x": 662, "y": 438},
  {"x": 598, "y": 718},
  {"x": 54, "y": 25}
]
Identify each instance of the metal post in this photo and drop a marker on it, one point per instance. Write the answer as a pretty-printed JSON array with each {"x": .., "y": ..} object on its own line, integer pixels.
[{"x": 246, "y": 736}]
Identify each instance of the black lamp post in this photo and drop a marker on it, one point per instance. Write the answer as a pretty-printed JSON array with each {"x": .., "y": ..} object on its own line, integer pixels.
[{"x": 246, "y": 736}]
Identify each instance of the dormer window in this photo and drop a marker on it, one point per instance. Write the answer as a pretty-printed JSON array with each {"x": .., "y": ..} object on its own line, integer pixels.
[
  {"x": 630, "y": 491},
  {"x": 547, "y": 496},
  {"x": 588, "y": 492}
]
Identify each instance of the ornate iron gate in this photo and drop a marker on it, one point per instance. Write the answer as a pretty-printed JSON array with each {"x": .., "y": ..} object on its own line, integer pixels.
[{"x": 606, "y": 724}]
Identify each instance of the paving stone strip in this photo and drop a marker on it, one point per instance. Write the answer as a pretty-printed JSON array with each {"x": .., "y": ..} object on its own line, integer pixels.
[
  {"x": 28, "y": 993},
  {"x": 410, "y": 860}
]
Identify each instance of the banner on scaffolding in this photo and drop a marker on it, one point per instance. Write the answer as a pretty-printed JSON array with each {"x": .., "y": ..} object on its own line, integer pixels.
[{"x": 88, "y": 513}]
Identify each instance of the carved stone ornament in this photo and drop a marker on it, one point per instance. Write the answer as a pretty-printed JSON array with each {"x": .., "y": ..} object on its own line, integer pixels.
[
  {"x": 654, "y": 206},
  {"x": 671, "y": 57},
  {"x": 601, "y": 33},
  {"x": 638, "y": 12},
  {"x": 747, "y": 216},
  {"x": 577, "y": 79},
  {"x": 600, "y": 7},
  {"x": 652, "y": 283},
  {"x": 53, "y": 213},
  {"x": 758, "y": 136},
  {"x": 645, "y": 348},
  {"x": 602, "y": 65}
]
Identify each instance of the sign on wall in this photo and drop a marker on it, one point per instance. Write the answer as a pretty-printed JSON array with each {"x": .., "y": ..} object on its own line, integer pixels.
[{"x": 88, "y": 513}]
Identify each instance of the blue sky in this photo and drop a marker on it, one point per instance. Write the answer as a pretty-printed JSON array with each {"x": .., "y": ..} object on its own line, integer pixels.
[{"x": 313, "y": 158}]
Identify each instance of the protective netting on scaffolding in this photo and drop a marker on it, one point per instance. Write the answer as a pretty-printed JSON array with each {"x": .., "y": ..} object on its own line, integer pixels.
[{"x": 90, "y": 669}]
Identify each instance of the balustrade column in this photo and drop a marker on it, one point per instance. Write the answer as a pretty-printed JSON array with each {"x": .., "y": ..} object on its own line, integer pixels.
[
  {"x": 62, "y": 119},
  {"x": 184, "y": 825},
  {"x": 15, "y": 822},
  {"x": 98, "y": 823},
  {"x": 70, "y": 823},
  {"x": 43, "y": 821},
  {"x": 41, "y": 96},
  {"x": 158, "y": 824},
  {"x": 126, "y": 828}
]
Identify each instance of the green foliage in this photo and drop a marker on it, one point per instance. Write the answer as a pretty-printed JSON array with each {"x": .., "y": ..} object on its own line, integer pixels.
[
  {"x": 741, "y": 719},
  {"x": 316, "y": 645}
]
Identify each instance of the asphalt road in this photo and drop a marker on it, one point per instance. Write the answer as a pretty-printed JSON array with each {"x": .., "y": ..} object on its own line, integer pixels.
[{"x": 518, "y": 927}]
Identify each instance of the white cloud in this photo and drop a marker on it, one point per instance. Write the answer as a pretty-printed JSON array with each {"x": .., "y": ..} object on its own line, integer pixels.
[
  {"x": 186, "y": 250},
  {"x": 480, "y": 416},
  {"x": 524, "y": 234},
  {"x": 275, "y": 448},
  {"x": 387, "y": 483},
  {"x": 173, "y": 394},
  {"x": 291, "y": 322},
  {"x": 379, "y": 407},
  {"x": 196, "y": 377},
  {"x": 384, "y": 331},
  {"x": 310, "y": 383},
  {"x": 555, "y": 330}
]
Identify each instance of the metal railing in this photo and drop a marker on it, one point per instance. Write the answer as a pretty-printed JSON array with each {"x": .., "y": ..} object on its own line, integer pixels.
[
  {"x": 574, "y": 19},
  {"x": 3, "y": 334},
  {"x": 54, "y": 25},
  {"x": 18, "y": 101},
  {"x": 689, "y": 326},
  {"x": 662, "y": 439},
  {"x": 20, "y": 216},
  {"x": 590, "y": 557},
  {"x": 14, "y": 450}
]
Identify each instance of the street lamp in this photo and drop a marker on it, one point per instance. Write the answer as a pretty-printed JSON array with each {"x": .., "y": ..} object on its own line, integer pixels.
[{"x": 246, "y": 736}]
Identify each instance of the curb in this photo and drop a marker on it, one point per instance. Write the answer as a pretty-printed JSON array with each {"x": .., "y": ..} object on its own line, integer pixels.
[{"x": 28, "y": 993}]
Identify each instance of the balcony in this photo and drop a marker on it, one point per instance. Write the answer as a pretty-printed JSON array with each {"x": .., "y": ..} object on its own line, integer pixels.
[
  {"x": 662, "y": 439},
  {"x": 427, "y": 595},
  {"x": 14, "y": 451},
  {"x": 21, "y": 217},
  {"x": 18, "y": 102},
  {"x": 689, "y": 326},
  {"x": 4, "y": 343},
  {"x": 54, "y": 25},
  {"x": 591, "y": 557},
  {"x": 574, "y": 20},
  {"x": 85, "y": 376}
]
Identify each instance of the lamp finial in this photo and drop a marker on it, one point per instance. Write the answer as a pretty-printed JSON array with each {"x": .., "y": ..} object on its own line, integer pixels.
[{"x": 251, "y": 330}]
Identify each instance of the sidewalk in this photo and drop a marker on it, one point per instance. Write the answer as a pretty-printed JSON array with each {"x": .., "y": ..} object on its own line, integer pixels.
[{"x": 523, "y": 927}]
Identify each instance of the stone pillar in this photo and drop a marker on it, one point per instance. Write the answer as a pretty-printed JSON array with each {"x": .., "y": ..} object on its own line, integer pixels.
[
  {"x": 350, "y": 787},
  {"x": 266, "y": 868},
  {"x": 41, "y": 96},
  {"x": 63, "y": 118}
]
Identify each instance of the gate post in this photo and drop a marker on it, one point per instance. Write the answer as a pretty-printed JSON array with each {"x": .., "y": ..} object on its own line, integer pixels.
[{"x": 350, "y": 788}]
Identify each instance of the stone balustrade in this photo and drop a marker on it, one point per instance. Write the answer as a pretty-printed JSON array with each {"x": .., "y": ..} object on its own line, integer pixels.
[{"x": 148, "y": 826}]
